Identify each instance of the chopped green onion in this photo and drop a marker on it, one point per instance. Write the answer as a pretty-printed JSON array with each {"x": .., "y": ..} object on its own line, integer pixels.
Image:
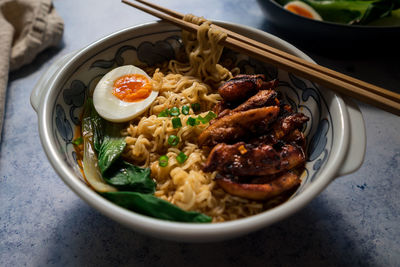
[
  {"x": 176, "y": 123},
  {"x": 174, "y": 111},
  {"x": 173, "y": 140},
  {"x": 191, "y": 121},
  {"x": 210, "y": 115},
  {"x": 195, "y": 107},
  {"x": 181, "y": 158},
  {"x": 200, "y": 119},
  {"x": 163, "y": 113},
  {"x": 185, "y": 110},
  {"x": 78, "y": 141},
  {"x": 163, "y": 161}
]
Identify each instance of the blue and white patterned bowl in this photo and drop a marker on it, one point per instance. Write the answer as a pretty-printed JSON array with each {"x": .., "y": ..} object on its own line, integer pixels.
[{"x": 335, "y": 132}]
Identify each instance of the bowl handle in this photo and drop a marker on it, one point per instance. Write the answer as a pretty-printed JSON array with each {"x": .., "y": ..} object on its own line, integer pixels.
[
  {"x": 42, "y": 85},
  {"x": 357, "y": 141}
]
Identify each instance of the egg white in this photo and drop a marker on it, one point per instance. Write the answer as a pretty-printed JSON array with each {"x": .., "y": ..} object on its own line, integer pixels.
[{"x": 111, "y": 107}]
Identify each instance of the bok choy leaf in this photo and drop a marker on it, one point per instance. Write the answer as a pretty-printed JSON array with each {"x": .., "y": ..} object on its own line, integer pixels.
[
  {"x": 155, "y": 207},
  {"x": 90, "y": 134},
  {"x": 110, "y": 150},
  {"x": 126, "y": 176},
  {"x": 107, "y": 173}
]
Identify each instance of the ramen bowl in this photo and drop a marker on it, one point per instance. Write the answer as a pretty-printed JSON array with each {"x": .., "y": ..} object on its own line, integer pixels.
[{"x": 335, "y": 132}]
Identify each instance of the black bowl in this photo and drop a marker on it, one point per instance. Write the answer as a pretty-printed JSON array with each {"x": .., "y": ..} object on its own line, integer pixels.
[{"x": 321, "y": 35}]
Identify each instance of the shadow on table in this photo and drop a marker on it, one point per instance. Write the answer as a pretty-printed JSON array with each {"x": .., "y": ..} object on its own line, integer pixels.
[
  {"x": 312, "y": 237},
  {"x": 41, "y": 59}
]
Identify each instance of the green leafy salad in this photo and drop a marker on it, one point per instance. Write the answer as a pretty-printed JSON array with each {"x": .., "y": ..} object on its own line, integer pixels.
[{"x": 354, "y": 12}]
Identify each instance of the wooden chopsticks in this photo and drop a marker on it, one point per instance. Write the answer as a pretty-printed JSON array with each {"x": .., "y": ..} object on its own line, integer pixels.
[{"x": 341, "y": 83}]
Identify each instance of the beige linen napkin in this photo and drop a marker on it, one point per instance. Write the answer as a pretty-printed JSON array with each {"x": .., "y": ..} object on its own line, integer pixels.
[{"x": 27, "y": 27}]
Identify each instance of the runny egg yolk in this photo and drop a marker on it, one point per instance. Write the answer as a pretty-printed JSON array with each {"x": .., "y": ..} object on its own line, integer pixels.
[{"x": 132, "y": 87}]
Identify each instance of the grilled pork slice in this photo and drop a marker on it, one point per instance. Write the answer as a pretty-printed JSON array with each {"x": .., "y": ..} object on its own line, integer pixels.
[
  {"x": 219, "y": 107},
  {"x": 285, "y": 125},
  {"x": 243, "y": 159},
  {"x": 265, "y": 191},
  {"x": 296, "y": 137},
  {"x": 232, "y": 127},
  {"x": 285, "y": 129},
  {"x": 241, "y": 87},
  {"x": 263, "y": 98}
]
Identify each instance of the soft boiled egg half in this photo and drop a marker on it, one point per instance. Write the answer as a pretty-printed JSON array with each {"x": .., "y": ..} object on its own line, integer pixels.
[
  {"x": 123, "y": 93},
  {"x": 302, "y": 9}
]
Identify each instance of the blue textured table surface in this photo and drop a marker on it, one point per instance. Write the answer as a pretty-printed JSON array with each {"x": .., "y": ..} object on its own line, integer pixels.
[{"x": 354, "y": 222}]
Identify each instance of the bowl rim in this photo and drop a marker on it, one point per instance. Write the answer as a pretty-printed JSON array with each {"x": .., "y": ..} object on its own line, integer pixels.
[
  {"x": 336, "y": 24},
  {"x": 178, "y": 230}
]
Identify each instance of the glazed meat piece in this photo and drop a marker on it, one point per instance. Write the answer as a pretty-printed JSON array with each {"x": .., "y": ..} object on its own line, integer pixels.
[
  {"x": 263, "y": 98},
  {"x": 287, "y": 124},
  {"x": 272, "y": 145},
  {"x": 243, "y": 159},
  {"x": 231, "y": 127},
  {"x": 265, "y": 191},
  {"x": 286, "y": 129},
  {"x": 219, "y": 107},
  {"x": 241, "y": 87},
  {"x": 296, "y": 137}
]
